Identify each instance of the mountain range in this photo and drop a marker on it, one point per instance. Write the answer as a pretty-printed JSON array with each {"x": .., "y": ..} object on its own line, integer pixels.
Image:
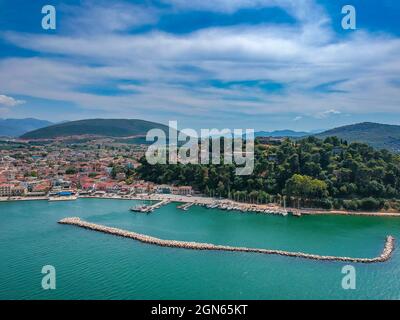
[
  {"x": 380, "y": 136},
  {"x": 17, "y": 127},
  {"x": 281, "y": 133}
]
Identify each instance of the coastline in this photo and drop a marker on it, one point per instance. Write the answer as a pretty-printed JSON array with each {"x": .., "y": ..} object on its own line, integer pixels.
[
  {"x": 207, "y": 201},
  {"x": 199, "y": 200}
]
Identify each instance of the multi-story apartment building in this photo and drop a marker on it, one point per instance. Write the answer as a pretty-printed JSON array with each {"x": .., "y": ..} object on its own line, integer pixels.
[{"x": 6, "y": 190}]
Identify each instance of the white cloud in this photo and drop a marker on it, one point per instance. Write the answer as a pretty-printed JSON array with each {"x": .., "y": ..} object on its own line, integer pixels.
[
  {"x": 267, "y": 53},
  {"x": 105, "y": 16},
  {"x": 7, "y": 101},
  {"x": 305, "y": 10},
  {"x": 327, "y": 113},
  {"x": 171, "y": 73}
]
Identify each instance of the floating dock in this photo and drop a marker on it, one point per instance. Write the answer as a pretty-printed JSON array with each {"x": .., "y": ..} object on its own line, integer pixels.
[{"x": 385, "y": 255}]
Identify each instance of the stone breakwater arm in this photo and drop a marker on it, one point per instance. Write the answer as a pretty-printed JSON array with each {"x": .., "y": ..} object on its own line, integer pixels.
[{"x": 385, "y": 255}]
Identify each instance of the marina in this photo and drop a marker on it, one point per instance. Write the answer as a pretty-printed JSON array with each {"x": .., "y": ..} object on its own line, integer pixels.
[{"x": 225, "y": 205}]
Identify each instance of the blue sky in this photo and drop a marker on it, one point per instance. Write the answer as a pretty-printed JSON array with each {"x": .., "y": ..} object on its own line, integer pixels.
[{"x": 262, "y": 64}]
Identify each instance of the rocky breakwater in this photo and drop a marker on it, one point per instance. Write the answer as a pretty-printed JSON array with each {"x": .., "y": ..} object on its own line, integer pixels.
[{"x": 385, "y": 255}]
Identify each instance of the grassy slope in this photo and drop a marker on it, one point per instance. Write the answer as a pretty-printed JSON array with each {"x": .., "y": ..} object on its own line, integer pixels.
[{"x": 102, "y": 127}]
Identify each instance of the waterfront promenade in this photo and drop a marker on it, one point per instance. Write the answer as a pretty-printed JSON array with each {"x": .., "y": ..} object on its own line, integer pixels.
[{"x": 74, "y": 221}]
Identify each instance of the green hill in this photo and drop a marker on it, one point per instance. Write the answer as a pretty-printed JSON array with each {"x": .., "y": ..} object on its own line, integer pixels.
[
  {"x": 99, "y": 127},
  {"x": 380, "y": 136}
]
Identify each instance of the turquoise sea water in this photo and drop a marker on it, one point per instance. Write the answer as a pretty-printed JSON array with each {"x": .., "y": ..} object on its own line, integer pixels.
[{"x": 93, "y": 265}]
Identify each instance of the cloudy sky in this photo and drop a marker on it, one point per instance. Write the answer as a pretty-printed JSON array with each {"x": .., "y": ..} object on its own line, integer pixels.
[{"x": 262, "y": 64}]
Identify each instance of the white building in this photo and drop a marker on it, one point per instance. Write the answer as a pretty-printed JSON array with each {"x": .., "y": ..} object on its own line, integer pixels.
[{"x": 6, "y": 190}]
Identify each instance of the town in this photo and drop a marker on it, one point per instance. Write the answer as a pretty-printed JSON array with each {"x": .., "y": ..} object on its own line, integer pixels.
[{"x": 61, "y": 171}]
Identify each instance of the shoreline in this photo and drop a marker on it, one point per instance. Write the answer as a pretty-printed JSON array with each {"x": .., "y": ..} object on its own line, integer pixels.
[
  {"x": 385, "y": 255},
  {"x": 207, "y": 201},
  {"x": 199, "y": 200}
]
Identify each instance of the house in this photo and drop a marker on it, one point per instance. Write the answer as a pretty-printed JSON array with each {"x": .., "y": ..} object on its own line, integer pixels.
[
  {"x": 163, "y": 189},
  {"x": 141, "y": 188},
  {"x": 182, "y": 191},
  {"x": 185, "y": 190},
  {"x": 40, "y": 188},
  {"x": 88, "y": 186},
  {"x": 62, "y": 183}
]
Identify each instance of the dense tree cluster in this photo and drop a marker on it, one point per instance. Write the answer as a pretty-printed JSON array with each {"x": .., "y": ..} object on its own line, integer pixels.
[{"x": 326, "y": 173}]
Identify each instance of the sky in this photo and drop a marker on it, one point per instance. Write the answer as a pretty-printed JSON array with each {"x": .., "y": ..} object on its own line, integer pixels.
[{"x": 261, "y": 64}]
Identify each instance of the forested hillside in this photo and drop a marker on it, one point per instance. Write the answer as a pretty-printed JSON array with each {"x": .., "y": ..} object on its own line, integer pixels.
[
  {"x": 377, "y": 135},
  {"x": 326, "y": 173},
  {"x": 100, "y": 127}
]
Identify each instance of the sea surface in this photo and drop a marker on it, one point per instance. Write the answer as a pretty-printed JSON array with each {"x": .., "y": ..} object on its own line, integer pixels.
[{"x": 92, "y": 265}]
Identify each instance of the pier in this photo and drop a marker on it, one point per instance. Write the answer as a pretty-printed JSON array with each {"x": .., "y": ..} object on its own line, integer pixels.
[
  {"x": 296, "y": 213},
  {"x": 384, "y": 256},
  {"x": 150, "y": 208},
  {"x": 186, "y": 206},
  {"x": 236, "y": 206}
]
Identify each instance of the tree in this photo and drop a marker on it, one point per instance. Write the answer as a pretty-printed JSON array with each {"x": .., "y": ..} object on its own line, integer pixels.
[
  {"x": 370, "y": 204},
  {"x": 306, "y": 187},
  {"x": 71, "y": 170}
]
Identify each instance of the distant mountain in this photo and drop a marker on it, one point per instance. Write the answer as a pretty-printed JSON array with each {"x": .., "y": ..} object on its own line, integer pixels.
[
  {"x": 281, "y": 133},
  {"x": 99, "y": 127},
  {"x": 380, "y": 136},
  {"x": 17, "y": 127},
  {"x": 316, "y": 131}
]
